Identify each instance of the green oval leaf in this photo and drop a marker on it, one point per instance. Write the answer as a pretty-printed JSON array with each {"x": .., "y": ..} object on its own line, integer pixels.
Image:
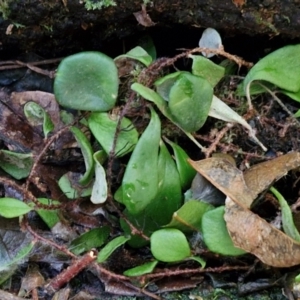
[
  {"x": 87, "y": 152},
  {"x": 110, "y": 247},
  {"x": 18, "y": 165},
  {"x": 87, "y": 81},
  {"x": 141, "y": 270},
  {"x": 11, "y": 208},
  {"x": 190, "y": 101},
  {"x": 92, "y": 239},
  {"x": 140, "y": 181},
  {"x": 281, "y": 67},
  {"x": 104, "y": 126},
  {"x": 215, "y": 233},
  {"x": 169, "y": 245}
]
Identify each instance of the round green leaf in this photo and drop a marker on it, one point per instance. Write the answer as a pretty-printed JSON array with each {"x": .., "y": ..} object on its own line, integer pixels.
[
  {"x": 11, "y": 208},
  {"x": 190, "y": 101},
  {"x": 169, "y": 245},
  {"x": 87, "y": 81},
  {"x": 215, "y": 234}
]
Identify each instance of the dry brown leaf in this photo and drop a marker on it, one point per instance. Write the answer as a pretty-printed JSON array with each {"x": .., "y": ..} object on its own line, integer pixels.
[
  {"x": 247, "y": 230},
  {"x": 32, "y": 279},
  {"x": 45, "y": 100},
  {"x": 261, "y": 176},
  {"x": 15, "y": 132},
  {"x": 226, "y": 177},
  {"x": 255, "y": 235},
  {"x": 143, "y": 18}
]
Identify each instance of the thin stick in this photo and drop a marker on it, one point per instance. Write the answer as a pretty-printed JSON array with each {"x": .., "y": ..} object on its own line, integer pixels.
[{"x": 49, "y": 242}]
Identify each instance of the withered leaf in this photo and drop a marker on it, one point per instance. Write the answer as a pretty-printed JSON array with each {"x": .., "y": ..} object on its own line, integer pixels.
[
  {"x": 226, "y": 177},
  {"x": 247, "y": 230},
  {"x": 32, "y": 279},
  {"x": 45, "y": 100},
  {"x": 255, "y": 235},
  {"x": 260, "y": 176},
  {"x": 143, "y": 18}
]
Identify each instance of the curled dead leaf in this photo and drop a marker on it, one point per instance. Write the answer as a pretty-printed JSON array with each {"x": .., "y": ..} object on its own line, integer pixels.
[
  {"x": 247, "y": 230},
  {"x": 45, "y": 100},
  {"x": 226, "y": 177},
  {"x": 143, "y": 18},
  {"x": 261, "y": 176},
  {"x": 255, "y": 235}
]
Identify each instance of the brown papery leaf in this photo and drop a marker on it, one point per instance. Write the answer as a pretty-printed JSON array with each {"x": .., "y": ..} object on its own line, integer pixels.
[
  {"x": 45, "y": 100},
  {"x": 259, "y": 177},
  {"x": 255, "y": 235},
  {"x": 226, "y": 177},
  {"x": 247, "y": 230},
  {"x": 143, "y": 18}
]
